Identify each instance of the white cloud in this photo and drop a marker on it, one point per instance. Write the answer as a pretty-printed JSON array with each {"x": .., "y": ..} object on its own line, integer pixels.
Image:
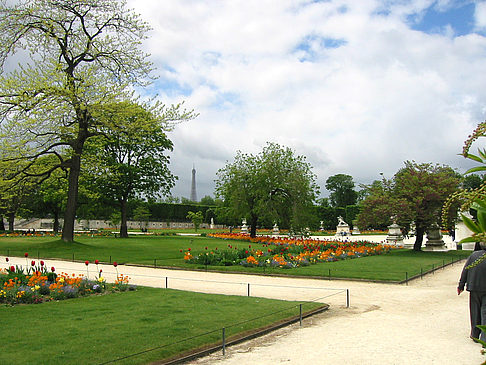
[
  {"x": 383, "y": 95},
  {"x": 480, "y": 15}
]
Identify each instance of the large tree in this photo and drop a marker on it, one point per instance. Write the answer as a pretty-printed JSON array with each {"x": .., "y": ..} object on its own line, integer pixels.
[
  {"x": 130, "y": 159},
  {"x": 84, "y": 54},
  {"x": 416, "y": 192},
  {"x": 342, "y": 190},
  {"x": 275, "y": 185}
]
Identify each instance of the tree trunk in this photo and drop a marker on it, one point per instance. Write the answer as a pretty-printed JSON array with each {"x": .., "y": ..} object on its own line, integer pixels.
[
  {"x": 123, "y": 222},
  {"x": 419, "y": 238},
  {"x": 253, "y": 225},
  {"x": 72, "y": 198},
  {"x": 2, "y": 223},
  {"x": 55, "y": 226},
  {"x": 11, "y": 220}
]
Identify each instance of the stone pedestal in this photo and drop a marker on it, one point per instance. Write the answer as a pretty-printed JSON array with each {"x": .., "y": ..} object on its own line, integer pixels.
[
  {"x": 211, "y": 226},
  {"x": 275, "y": 231},
  {"x": 244, "y": 227},
  {"x": 394, "y": 235},
  {"x": 468, "y": 246},
  {"x": 434, "y": 239},
  {"x": 342, "y": 228}
]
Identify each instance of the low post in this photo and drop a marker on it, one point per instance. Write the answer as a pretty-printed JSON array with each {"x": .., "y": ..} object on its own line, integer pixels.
[
  {"x": 329, "y": 274},
  {"x": 443, "y": 264},
  {"x": 110, "y": 259},
  {"x": 406, "y": 278},
  {"x": 347, "y": 298},
  {"x": 73, "y": 257},
  {"x": 421, "y": 274},
  {"x": 155, "y": 263},
  {"x": 248, "y": 289},
  {"x": 433, "y": 269},
  {"x": 166, "y": 282},
  {"x": 300, "y": 315},
  {"x": 224, "y": 342}
]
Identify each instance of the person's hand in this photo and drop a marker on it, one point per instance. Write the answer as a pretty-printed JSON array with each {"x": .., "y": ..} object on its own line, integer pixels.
[{"x": 459, "y": 291}]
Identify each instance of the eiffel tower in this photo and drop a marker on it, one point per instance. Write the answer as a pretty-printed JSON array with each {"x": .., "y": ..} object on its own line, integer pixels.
[{"x": 193, "y": 185}]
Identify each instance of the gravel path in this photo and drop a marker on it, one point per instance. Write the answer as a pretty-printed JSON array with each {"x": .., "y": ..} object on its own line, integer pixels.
[{"x": 423, "y": 323}]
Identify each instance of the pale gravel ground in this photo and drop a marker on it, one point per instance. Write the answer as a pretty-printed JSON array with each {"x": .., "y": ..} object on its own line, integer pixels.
[{"x": 423, "y": 323}]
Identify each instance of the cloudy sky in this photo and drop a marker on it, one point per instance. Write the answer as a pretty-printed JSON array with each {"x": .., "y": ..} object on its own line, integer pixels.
[{"x": 358, "y": 87}]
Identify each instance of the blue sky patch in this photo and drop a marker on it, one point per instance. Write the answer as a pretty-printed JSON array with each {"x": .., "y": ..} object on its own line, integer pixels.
[
  {"x": 313, "y": 45},
  {"x": 460, "y": 17}
]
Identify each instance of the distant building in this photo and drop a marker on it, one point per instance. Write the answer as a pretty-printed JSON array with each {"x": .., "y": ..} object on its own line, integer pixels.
[{"x": 193, "y": 185}]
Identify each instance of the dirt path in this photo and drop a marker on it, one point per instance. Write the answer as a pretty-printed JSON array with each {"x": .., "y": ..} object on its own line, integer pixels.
[{"x": 423, "y": 323}]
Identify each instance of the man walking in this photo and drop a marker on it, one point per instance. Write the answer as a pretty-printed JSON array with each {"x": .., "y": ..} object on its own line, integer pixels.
[{"x": 474, "y": 277}]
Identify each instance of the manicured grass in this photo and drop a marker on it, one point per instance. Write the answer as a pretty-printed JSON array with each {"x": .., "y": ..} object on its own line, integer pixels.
[
  {"x": 97, "y": 329},
  {"x": 165, "y": 251}
]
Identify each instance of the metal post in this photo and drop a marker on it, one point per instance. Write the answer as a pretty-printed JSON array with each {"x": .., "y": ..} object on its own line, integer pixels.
[
  {"x": 329, "y": 274},
  {"x": 224, "y": 342},
  {"x": 347, "y": 298},
  {"x": 433, "y": 269},
  {"x": 166, "y": 282},
  {"x": 248, "y": 289},
  {"x": 300, "y": 315},
  {"x": 443, "y": 264},
  {"x": 406, "y": 278},
  {"x": 155, "y": 263},
  {"x": 421, "y": 274},
  {"x": 110, "y": 259},
  {"x": 73, "y": 257}
]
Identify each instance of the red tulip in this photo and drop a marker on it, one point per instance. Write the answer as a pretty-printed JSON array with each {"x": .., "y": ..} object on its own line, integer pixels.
[
  {"x": 26, "y": 254},
  {"x": 115, "y": 264},
  {"x": 180, "y": 250},
  {"x": 97, "y": 262},
  {"x": 6, "y": 259},
  {"x": 86, "y": 262},
  {"x": 53, "y": 269},
  {"x": 101, "y": 271},
  {"x": 42, "y": 263},
  {"x": 189, "y": 249},
  {"x": 206, "y": 247},
  {"x": 12, "y": 268},
  {"x": 32, "y": 263}
]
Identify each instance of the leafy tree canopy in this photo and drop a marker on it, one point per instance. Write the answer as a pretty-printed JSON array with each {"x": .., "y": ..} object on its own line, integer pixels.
[
  {"x": 342, "y": 190},
  {"x": 275, "y": 185}
]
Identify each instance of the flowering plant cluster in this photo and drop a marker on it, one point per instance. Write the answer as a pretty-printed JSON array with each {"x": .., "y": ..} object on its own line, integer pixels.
[
  {"x": 36, "y": 284},
  {"x": 283, "y": 252}
]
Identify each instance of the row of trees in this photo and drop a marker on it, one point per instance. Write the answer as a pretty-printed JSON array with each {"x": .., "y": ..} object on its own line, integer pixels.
[{"x": 68, "y": 118}]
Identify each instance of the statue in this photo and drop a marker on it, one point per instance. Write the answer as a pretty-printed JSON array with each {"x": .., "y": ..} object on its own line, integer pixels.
[{"x": 341, "y": 221}]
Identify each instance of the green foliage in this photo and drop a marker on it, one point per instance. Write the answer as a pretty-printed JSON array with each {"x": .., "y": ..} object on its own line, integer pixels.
[
  {"x": 275, "y": 185},
  {"x": 196, "y": 218},
  {"x": 85, "y": 55},
  {"x": 142, "y": 215},
  {"x": 416, "y": 193},
  {"x": 352, "y": 212},
  {"x": 342, "y": 190}
]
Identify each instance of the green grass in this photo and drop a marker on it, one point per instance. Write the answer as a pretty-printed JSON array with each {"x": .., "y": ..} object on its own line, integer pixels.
[
  {"x": 165, "y": 251},
  {"x": 97, "y": 329}
]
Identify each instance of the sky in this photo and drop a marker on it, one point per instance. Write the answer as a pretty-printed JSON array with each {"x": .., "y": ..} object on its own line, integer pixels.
[{"x": 358, "y": 87}]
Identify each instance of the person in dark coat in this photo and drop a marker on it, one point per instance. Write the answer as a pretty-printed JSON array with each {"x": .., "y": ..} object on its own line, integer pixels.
[{"x": 473, "y": 276}]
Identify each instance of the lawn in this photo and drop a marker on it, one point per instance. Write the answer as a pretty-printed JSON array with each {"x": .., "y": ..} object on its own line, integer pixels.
[
  {"x": 166, "y": 251},
  {"x": 98, "y": 329}
]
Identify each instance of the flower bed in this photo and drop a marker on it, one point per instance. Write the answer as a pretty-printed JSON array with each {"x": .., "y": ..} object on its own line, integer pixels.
[
  {"x": 282, "y": 252},
  {"x": 36, "y": 284}
]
